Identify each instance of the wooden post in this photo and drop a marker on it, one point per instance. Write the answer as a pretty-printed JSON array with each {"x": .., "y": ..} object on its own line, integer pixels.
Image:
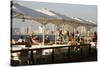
[{"x": 52, "y": 55}]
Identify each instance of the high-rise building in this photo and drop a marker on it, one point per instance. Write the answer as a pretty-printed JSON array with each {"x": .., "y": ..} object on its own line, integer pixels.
[{"x": 15, "y": 31}]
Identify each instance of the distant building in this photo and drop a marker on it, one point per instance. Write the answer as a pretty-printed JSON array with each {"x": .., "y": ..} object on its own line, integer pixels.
[{"x": 15, "y": 31}]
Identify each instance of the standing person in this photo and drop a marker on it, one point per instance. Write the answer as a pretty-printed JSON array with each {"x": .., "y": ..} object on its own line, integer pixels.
[
  {"x": 72, "y": 35},
  {"x": 94, "y": 38},
  {"x": 60, "y": 35},
  {"x": 77, "y": 35},
  {"x": 66, "y": 36},
  {"x": 29, "y": 40}
]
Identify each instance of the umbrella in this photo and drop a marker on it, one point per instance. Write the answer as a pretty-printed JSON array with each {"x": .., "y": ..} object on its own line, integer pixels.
[
  {"x": 86, "y": 23},
  {"x": 40, "y": 16},
  {"x": 33, "y": 14}
]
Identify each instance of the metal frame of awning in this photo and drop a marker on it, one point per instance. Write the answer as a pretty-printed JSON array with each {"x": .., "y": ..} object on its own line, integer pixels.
[{"x": 45, "y": 20}]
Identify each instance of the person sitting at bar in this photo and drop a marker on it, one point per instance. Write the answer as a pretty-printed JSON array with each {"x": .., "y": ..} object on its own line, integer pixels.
[
  {"x": 21, "y": 40},
  {"x": 59, "y": 40},
  {"x": 36, "y": 40},
  {"x": 13, "y": 42},
  {"x": 81, "y": 41},
  {"x": 72, "y": 42},
  {"x": 47, "y": 40}
]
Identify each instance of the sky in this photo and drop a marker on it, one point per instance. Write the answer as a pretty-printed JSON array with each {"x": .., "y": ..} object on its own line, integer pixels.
[{"x": 86, "y": 12}]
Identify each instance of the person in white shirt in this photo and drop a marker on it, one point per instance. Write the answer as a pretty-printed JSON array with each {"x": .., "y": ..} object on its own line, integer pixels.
[{"x": 21, "y": 40}]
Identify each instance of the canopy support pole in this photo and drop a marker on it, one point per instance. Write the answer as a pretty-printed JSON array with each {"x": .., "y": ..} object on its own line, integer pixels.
[
  {"x": 74, "y": 33},
  {"x": 55, "y": 33},
  {"x": 43, "y": 34}
]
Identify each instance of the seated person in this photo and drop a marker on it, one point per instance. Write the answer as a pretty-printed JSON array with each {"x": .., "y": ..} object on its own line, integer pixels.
[
  {"x": 93, "y": 44},
  {"x": 72, "y": 42},
  {"x": 81, "y": 41},
  {"x": 94, "y": 37},
  {"x": 13, "y": 41},
  {"x": 36, "y": 40},
  {"x": 59, "y": 40},
  {"x": 21, "y": 40},
  {"x": 47, "y": 40}
]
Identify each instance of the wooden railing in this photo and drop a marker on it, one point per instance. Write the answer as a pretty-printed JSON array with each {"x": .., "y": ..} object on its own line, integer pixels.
[{"x": 69, "y": 48}]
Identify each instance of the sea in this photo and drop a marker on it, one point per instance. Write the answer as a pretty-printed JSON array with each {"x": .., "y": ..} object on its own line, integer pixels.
[{"x": 16, "y": 37}]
